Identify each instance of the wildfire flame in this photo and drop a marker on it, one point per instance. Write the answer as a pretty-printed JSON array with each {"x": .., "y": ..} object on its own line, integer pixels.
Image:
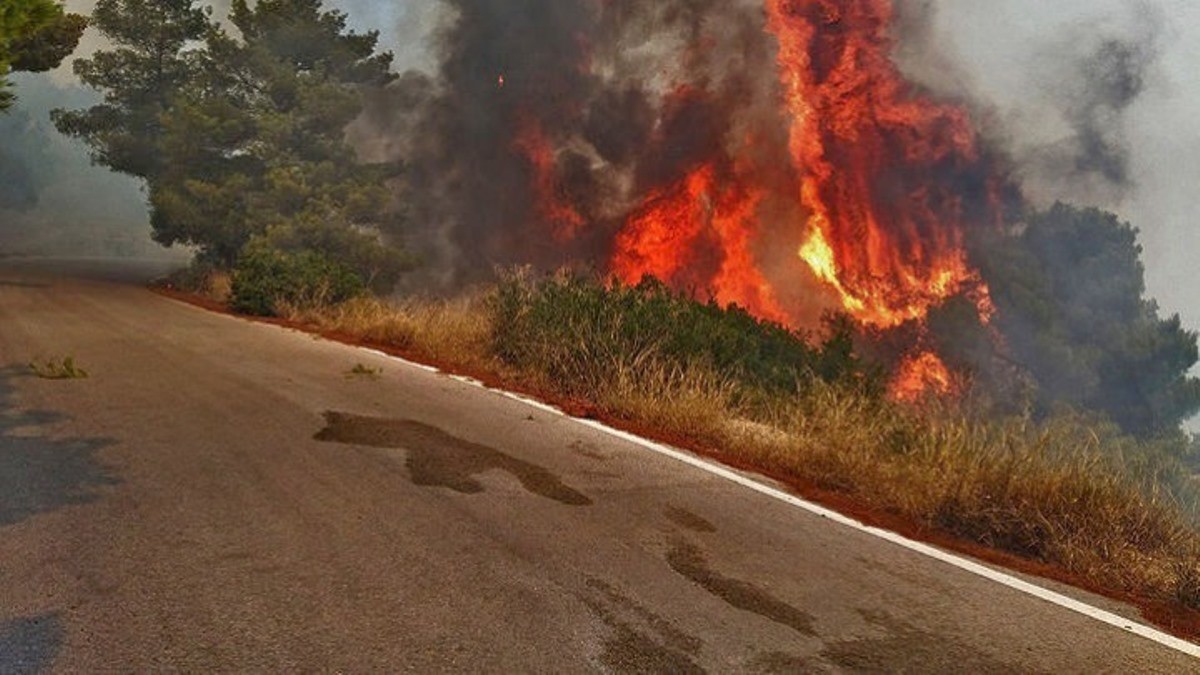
[
  {"x": 532, "y": 143},
  {"x": 922, "y": 375},
  {"x": 676, "y": 229},
  {"x": 875, "y": 183},
  {"x": 884, "y": 231}
]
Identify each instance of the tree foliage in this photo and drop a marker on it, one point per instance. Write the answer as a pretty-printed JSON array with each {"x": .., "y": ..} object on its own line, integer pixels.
[
  {"x": 35, "y": 36},
  {"x": 148, "y": 65},
  {"x": 1070, "y": 291},
  {"x": 257, "y": 142},
  {"x": 240, "y": 133}
]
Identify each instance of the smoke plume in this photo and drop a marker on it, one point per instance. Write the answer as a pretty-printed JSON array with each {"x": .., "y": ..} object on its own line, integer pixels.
[{"x": 52, "y": 201}]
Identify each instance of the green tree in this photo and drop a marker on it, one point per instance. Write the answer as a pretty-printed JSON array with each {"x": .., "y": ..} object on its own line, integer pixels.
[
  {"x": 256, "y": 145},
  {"x": 151, "y": 61},
  {"x": 1071, "y": 294},
  {"x": 35, "y": 36}
]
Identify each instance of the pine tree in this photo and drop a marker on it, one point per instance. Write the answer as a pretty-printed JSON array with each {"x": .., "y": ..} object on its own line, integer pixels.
[
  {"x": 257, "y": 147},
  {"x": 35, "y": 36},
  {"x": 151, "y": 61}
]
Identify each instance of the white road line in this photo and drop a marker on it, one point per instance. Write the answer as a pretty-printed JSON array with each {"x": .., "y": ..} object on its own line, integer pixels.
[{"x": 1103, "y": 616}]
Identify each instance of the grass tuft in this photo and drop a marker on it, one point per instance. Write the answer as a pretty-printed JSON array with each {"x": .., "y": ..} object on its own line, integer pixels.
[
  {"x": 447, "y": 331},
  {"x": 58, "y": 369},
  {"x": 364, "y": 371}
]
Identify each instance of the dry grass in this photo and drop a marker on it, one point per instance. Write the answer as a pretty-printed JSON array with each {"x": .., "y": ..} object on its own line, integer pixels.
[
  {"x": 207, "y": 282},
  {"x": 447, "y": 331},
  {"x": 1071, "y": 492}
]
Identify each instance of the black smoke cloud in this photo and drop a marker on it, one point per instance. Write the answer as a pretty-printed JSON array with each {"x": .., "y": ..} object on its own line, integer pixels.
[
  {"x": 624, "y": 94},
  {"x": 1101, "y": 86}
]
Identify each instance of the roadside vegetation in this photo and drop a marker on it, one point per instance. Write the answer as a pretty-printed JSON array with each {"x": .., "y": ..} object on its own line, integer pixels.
[{"x": 362, "y": 371}]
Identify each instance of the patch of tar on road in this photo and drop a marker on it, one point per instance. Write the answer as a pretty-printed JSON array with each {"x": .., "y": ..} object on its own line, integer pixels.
[
  {"x": 438, "y": 459},
  {"x": 904, "y": 648},
  {"x": 640, "y": 641},
  {"x": 688, "y": 561},
  {"x": 910, "y": 577},
  {"x": 687, "y": 519},
  {"x": 39, "y": 474},
  {"x": 30, "y": 645}
]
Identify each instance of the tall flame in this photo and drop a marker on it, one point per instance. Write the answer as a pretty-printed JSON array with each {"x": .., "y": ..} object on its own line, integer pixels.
[
  {"x": 885, "y": 228},
  {"x": 882, "y": 181},
  {"x": 552, "y": 205},
  {"x": 678, "y": 231},
  {"x": 922, "y": 375}
]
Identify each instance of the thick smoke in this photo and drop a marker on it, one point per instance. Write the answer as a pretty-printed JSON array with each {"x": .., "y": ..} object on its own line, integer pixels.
[
  {"x": 1095, "y": 80},
  {"x": 52, "y": 201},
  {"x": 1057, "y": 94},
  {"x": 576, "y": 103},
  {"x": 1111, "y": 80}
]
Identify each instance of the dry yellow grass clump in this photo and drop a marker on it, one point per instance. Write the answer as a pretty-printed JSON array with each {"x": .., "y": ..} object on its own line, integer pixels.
[{"x": 448, "y": 331}]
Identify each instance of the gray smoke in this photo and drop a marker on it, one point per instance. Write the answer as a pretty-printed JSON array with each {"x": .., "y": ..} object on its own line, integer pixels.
[
  {"x": 52, "y": 201},
  {"x": 1057, "y": 96},
  {"x": 1095, "y": 80}
]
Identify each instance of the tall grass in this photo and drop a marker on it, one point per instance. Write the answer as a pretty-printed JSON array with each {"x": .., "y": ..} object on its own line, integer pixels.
[{"x": 1070, "y": 491}]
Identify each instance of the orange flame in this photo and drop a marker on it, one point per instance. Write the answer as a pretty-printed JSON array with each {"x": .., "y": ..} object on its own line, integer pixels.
[
  {"x": 876, "y": 171},
  {"x": 551, "y": 203},
  {"x": 677, "y": 233},
  {"x": 884, "y": 234},
  {"x": 920, "y": 376}
]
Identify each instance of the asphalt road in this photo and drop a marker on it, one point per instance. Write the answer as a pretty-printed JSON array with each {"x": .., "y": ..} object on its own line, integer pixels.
[{"x": 221, "y": 496}]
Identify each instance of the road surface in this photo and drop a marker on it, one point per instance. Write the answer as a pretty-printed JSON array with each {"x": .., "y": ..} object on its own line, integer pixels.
[{"x": 221, "y": 496}]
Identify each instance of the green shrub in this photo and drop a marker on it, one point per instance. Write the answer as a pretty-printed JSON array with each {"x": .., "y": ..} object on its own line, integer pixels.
[
  {"x": 266, "y": 278},
  {"x": 580, "y": 332}
]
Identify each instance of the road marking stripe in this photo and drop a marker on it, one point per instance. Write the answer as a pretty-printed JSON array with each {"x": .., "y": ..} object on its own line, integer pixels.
[{"x": 1104, "y": 616}]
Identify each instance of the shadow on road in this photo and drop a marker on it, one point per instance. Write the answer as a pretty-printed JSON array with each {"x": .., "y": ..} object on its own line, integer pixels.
[
  {"x": 29, "y": 645},
  {"x": 38, "y": 473}
]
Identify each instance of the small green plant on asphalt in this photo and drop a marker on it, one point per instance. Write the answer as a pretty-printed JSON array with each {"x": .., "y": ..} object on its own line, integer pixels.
[
  {"x": 360, "y": 370},
  {"x": 58, "y": 369}
]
